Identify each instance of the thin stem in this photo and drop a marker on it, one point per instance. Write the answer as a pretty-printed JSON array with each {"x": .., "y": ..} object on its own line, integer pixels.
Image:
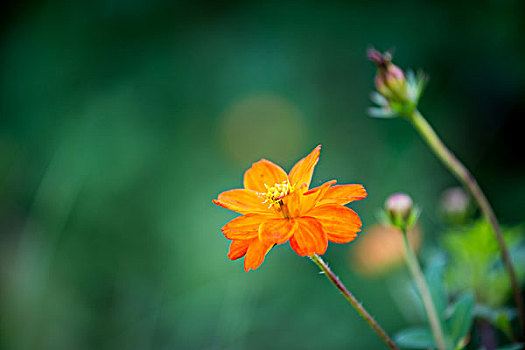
[
  {"x": 353, "y": 301},
  {"x": 424, "y": 291},
  {"x": 468, "y": 181}
]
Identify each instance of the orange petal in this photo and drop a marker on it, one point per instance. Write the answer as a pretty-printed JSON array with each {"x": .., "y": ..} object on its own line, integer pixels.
[
  {"x": 276, "y": 230},
  {"x": 340, "y": 223},
  {"x": 255, "y": 254},
  {"x": 292, "y": 202},
  {"x": 295, "y": 247},
  {"x": 238, "y": 248},
  {"x": 308, "y": 237},
  {"x": 242, "y": 201},
  {"x": 310, "y": 198},
  {"x": 244, "y": 227},
  {"x": 303, "y": 170},
  {"x": 344, "y": 194},
  {"x": 261, "y": 173}
]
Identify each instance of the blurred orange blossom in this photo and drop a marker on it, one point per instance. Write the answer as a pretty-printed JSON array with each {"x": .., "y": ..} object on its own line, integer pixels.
[
  {"x": 381, "y": 248},
  {"x": 279, "y": 207}
]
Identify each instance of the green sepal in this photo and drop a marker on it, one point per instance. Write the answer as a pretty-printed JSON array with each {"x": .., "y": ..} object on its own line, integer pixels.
[
  {"x": 414, "y": 216},
  {"x": 399, "y": 222},
  {"x": 378, "y": 99},
  {"x": 377, "y": 112}
]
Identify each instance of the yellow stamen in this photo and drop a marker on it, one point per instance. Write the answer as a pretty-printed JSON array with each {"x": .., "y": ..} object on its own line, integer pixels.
[{"x": 274, "y": 195}]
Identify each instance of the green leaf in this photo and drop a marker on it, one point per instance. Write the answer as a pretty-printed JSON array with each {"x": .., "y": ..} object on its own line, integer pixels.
[
  {"x": 461, "y": 318},
  {"x": 415, "y": 338},
  {"x": 503, "y": 323}
]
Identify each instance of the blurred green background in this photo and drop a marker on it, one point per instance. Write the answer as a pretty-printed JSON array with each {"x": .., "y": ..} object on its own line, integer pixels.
[{"x": 120, "y": 120}]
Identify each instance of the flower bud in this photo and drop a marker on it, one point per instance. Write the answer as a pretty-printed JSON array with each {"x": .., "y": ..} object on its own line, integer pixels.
[
  {"x": 455, "y": 205},
  {"x": 399, "y": 209},
  {"x": 390, "y": 80}
]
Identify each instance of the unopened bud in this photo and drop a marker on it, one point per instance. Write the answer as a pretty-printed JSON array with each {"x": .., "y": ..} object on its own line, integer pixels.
[
  {"x": 400, "y": 210},
  {"x": 390, "y": 80},
  {"x": 455, "y": 205},
  {"x": 399, "y": 204}
]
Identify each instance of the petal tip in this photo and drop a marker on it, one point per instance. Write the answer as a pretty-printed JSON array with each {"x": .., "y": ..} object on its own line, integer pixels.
[
  {"x": 316, "y": 151},
  {"x": 248, "y": 268},
  {"x": 219, "y": 203},
  {"x": 231, "y": 257}
]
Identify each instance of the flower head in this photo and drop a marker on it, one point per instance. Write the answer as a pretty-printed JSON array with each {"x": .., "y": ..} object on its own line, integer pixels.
[
  {"x": 399, "y": 204},
  {"x": 455, "y": 205},
  {"x": 400, "y": 211},
  {"x": 397, "y": 93},
  {"x": 390, "y": 80},
  {"x": 279, "y": 207}
]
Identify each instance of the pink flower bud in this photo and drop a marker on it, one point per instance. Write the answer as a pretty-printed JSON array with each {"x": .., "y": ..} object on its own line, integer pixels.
[
  {"x": 455, "y": 205},
  {"x": 390, "y": 80},
  {"x": 399, "y": 205}
]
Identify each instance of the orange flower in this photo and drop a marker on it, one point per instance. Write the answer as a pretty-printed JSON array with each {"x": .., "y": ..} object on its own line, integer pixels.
[{"x": 279, "y": 207}]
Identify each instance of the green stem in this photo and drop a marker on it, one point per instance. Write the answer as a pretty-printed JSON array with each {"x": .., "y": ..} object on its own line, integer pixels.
[
  {"x": 468, "y": 181},
  {"x": 353, "y": 301},
  {"x": 424, "y": 291}
]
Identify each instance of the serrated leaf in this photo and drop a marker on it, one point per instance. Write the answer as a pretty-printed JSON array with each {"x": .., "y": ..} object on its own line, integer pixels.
[
  {"x": 461, "y": 318},
  {"x": 415, "y": 338}
]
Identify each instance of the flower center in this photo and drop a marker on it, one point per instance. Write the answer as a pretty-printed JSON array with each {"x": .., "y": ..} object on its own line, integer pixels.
[{"x": 274, "y": 195}]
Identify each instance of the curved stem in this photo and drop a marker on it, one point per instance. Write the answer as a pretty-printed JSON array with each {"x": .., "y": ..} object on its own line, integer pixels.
[
  {"x": 353, "y": 301},
  {"x": 424, "y": 291},
  {"x": 468, "y": 181}
]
